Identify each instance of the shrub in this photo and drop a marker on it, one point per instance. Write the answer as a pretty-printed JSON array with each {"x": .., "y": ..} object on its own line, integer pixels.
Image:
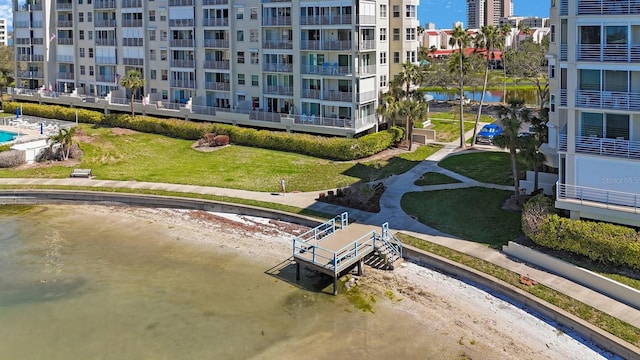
[
  {"x": 5, "y": 147},
  {"x": 534, "y": 212},
  {"x": 221, "y": 140},
  {"x": 12, "y": 158}
]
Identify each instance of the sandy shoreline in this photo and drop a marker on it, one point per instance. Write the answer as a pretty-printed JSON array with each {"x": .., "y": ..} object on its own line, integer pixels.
[{"x": 455, "y": 314}]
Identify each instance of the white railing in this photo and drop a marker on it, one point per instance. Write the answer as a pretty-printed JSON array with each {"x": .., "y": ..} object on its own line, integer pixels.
[
  {"x": 276, "y": 21},
  {"x": 182, "y": 42},
  {"x": 563, "y": 97},
  {"x": 215, "y": 85},
  {"x": 333, "y": 95},
  {"x": 276, "y": 67},
  {"x": 615, "y": 100},
  {"x": 216, "y": 64},
  {"x": 608, "y": 7},
  {"x": 277, "y": 44},
  {"x": 326, "y": 69},
  {"x": 595, "y": 145},
  {"x": 215, "y": 22},
  {"x": 278, "y": 90},
  {"x": 606, "y": 52},
  {"x": 564, "y": 8},
  {"x": 613, "y": 200},
  {"x": 564, "y": 52},
  {"x": 367, "y": 45},
  {"x": 330, "y": 121},
  {"x": 183, "y": 63},
  {"x": 216, "y": 43}
]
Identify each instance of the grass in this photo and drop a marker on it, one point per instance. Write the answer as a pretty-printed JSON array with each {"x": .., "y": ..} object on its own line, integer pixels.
[
  {"x": 594, "y": 316},
  {"x": 474, "y": 214},
  {"x": 486, "y": 167},
  {"x": 155, "y": 158},
  {"x": 449, "y": 130},
  {"x": 433, "y": 178}
]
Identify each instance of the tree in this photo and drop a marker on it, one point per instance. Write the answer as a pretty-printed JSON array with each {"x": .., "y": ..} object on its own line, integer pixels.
[
  {"x": 461, "y": 39},
  {"x": 512, "y": 118},
  {"x": 389, "y": 104},
  {"x": 528, "y": 62},
  {"x": 64, "y": 137},
  {"x": 489, "y": 38},
  {"x": 412, "y": 110},
  {"x": 505, "y": 30},
  {"x": 530, "y": 153},
  {"x": 132, "y": 82},
  {"x": 410, "y": 75}
]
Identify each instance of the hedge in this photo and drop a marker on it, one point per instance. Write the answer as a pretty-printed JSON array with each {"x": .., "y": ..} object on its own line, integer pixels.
[
  {"x": 333, "y": 148},
  {"x": 603, "y": 242}
]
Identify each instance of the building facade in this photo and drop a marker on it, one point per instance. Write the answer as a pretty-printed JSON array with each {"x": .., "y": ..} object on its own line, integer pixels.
[
  {"x": 4, "y": 33},
  {"x": 487, "y": 12},
  {"x": 594, "y": 126},
  {"x": 310, "y": 66}
]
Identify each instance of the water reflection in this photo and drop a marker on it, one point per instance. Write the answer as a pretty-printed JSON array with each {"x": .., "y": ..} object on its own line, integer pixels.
[{"x": 530, "y": 96}]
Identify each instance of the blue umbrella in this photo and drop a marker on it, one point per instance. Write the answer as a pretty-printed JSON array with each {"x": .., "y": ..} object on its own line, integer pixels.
[{"x": 17, "y": 113}]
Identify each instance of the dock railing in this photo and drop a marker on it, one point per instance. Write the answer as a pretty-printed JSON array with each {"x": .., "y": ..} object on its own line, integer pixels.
[
  {"x": 327, "y": 228},
  {"x": 391, "y": 241}
]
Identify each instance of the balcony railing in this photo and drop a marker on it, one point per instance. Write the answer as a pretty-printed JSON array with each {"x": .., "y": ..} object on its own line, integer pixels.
[
  {"x": 104, "y": 23},
  {"x": 564, "y": 8},
  {"x": 31, "y": 74},
  {"x": 182, "y": 22},
  {"x": 181, "y": 2},
  {"x": 182, "y": 43},
  {"x": 188, "y": 84},
  {"x": 337, "y": 45},
  {"x": 65, "y": 41},
  {"x": 265, "y": 116},
  {"x": 106, "y": 42},
  {"x": 609, "y": 52},
  {"x": 214, "y": 85},
  {"x": 65, "y": 58},
  {"x": 278, "y": 90},
  {"x": 215, "y": 22},
  {"x": 366, "y": 20},
  {"x": 65, "y": 23},
  {"x": 334, "y": 95},
  {"x": 366, "y": 96},
  {"x": 563, "y": 52},
  {"x": 311, "y": 94},
  {"x": 66, "y": 75},
  {"x": 367, "y": 70},
  {"x": 106, "y": 78},
  {"x": 64, "y": 5},
  {"x": 276, "y": 21},
  {"x": 29, "y": 7},
  {"x": 326, "y": 69},
  {"x": 330, "y": 121},
  {"x": 326, "y": 20},
  {"x": 614, "y": 100},
  {"x": 215, "y": 2},
  {"x": 367, "y": 45},
  {"x": 133, "y": 61},
  {"x": 277, "y": 44},
  {"x": 183, "y": 63},
  {"x": 216, "y": 43},
  {"x": 30, "y": 57},
  {"x": 612, "y": 200},
  {"x": 203, "y": 110},
  {"x": 132, "y": 23},
  {"x": 276, "y": 67},
  {"x": 104, "y": 4},
  {"x": 131, "y": 3},
  {"x": 602, "y": 146},
  {"x": 563, "y": 97},
  {"x": 132, "y": 41},
  {"x": 608, "y": 7},
  {"x": 216, "y": 64},
  {"x": 106, "y": 60}
]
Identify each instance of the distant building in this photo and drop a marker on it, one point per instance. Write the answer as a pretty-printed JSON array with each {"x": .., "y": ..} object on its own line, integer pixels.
[
  {"x": 4, "y": 33},
  {"x": 487, "y": 12},
  {"x": 530, "y": 22}
]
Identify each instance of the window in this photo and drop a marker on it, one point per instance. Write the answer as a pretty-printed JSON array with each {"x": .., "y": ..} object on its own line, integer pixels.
[
  {"x": 240, "y": 79},
  {"x": 255, "y": 80},
  {"x": 90, "y": 33},
  {"x": 552, "y": 36},
  {"x": 81, "y": 34},
  {"x": 411, "y": 56},
  {"x": 152, "y": 15},
  {"x": 153, "y": 74},
  {"x": 255, "y": 57},
  {"x": 383, "y": 11},
  {"x": 242, "y": 98},
  {"x": 410, "y": 11},
  {"x": 165, "y": 94},
  {"x": 616, "y": 35},
  {"x": 383, "y": 34},
  {"x": 552, "y": 103},
  {"x": 89, "y": 17},
  {"x": 396, "y": 34},
  {"x": 589, "y": 79},
  {"x": 552, "y": 71},
  {"x": 82, "y": 70},
  {"x": 396, "y": 11},
  {"x": 254, "y": 13},
  {"x": 253, "y": 35},
  {"x": 152, "y": 34},
  {"x": 90, "y": 70},
  {"x": 91, "y": 52},
  {"x": 81, "y": 52},
  {"x": 383, "y": 57},
  {"x": 164, "y": 74},
  {"x": 410, "y": 33},
  {"x": 163, "y": 54},
  {"x": 163, "y": 14},
  {"x": 240, "y": 57},
  {"x": 383, "y": 80},
  {"x": 152, "y": 54},
  {"x": 396, "y": 57},
  {"x": 239, "y": 35},
  {"x": 590, "y": 35},
  {"x": 80, "y": 17},
  {"x": 163, "y": 35},
  {"x": 154, "y": 90},
  {"x": 239, "y": 13}
]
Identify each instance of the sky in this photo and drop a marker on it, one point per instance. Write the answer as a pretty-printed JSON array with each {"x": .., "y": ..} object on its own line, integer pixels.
[
  {"x": 6, "y": 13},
  {"x": 445, "y": 12}
]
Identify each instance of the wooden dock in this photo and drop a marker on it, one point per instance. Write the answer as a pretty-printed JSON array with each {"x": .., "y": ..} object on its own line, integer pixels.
[{"x": 336, "y": 246}]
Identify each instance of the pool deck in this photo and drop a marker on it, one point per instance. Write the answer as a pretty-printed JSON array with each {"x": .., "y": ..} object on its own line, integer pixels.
[{"x": 25, "y": 134}]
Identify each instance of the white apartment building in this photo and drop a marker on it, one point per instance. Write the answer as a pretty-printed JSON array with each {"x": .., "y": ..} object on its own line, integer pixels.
[
  {"x": 594, "y": 127},
  {"x": 300, "y": 65},
  {"x": 4, "y": 33}
]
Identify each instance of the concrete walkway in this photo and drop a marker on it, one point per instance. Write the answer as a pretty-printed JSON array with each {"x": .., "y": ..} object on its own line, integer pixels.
[{"x": 391, "y": 212}]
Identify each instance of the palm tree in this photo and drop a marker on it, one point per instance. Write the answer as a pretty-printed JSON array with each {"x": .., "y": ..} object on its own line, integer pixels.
[
  {"x": 505, "y": 30},
  {"x": 512, "y": 118},
  {"x": 132, "y": 82},
  {"x": 389, "y": 103},
  {"x": 412, "y": 110},
  {"x": 64, "y": 137},
  {"x": 489, "y": 38},
  {"x": 462, "y": 39},
  {"x": 534, "y": 159}
]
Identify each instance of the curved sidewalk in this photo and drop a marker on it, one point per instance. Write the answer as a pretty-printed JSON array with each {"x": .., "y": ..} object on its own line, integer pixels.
[{"x": 391, "y": 212}]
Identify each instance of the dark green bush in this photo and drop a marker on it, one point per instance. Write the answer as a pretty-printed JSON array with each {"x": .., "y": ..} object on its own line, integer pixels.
[{"x": 324, "y": 147}]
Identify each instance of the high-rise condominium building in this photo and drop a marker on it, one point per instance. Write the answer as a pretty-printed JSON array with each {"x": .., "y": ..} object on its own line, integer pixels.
[
  {"x": 309, "y": 66},
  {"x": 487, "y": 12},
  {"x": 4, "y": 33},
  {"x": 594, "y": 126}
]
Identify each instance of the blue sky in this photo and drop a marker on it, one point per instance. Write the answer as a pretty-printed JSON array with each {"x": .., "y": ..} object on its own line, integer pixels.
[
  {"x": 5, "y": 12},
  {"x": 445, "y": 12}
]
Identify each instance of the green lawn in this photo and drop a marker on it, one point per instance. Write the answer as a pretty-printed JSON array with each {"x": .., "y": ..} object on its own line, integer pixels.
[
  {"x": 432, "y": 178},
  {"x": 155, "y": 158},
  {"x": 486, "y": 167},
  {"x": 472, "y": 213},
  {"x": 449, "y": 130}
]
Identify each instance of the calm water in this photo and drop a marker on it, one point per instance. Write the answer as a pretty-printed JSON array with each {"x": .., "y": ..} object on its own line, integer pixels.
[
  {"x": 7, "y": 136},
  {"x": 530, "y": 96},
  {"x": 77, "y": 284}
]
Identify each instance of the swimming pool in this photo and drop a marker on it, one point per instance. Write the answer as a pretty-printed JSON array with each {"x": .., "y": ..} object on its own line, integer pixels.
[{"x": 7, "y": 136}]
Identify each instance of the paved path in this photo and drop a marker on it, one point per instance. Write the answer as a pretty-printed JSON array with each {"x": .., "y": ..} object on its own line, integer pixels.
[{"x": 391, "y": 212}]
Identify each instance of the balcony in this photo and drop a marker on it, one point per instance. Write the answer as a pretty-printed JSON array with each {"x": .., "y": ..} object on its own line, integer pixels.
[
  {"x": 277, "y": 44},
  {"x": 264, "y": 116},
  {"x": 104, "y": 23},
  {"x": 274, "y": 1},
  {"x": 563, "y": 52},
  {"x": 66, "y": 75},
  {"x": 31, "y": 74},
  {"x": 593, "y": 145},
  {"x": 29, "y": 7},
  {"x": 276, "y": 67},
  {"x": 183, "y": 63},
  {"x": 216, "y": 64},
  {"x": 216, "y": 43},
  {"x": 563, "y": 97},
  {"x": 337, "y": 45},
  {"x": 181, "y": 2},
  {"x": 326, "y": 69},
  {"x": 65, "y": 58},
  {"x": 65, "y": 41},
  {"x": 106, "y": 60},
  {"x": 311, "y": 94},
  {"x": 106, "y": 78},
  {"x": 104, "y": 4},
  {"x": 333, "y": 95},
  {"x": 65, "y": 23},
  {"x": 367, "y": 45},
  {"x": 214, "y": 85},
  {"x": 187, "y": 84},
  {"x": 276, "y": 21},
  {"x": 188, "y": 43},
  {"x": 215, "y": 2},
  {"x": 215, "y": 22},
  {"x": 326, "y": 20},
  {"x": 127, "y": 4},
  {"x": 608, "y": 7},
  {"x": 612, "y": 200},
  {"x": 203, "y": 110},
  {"x": 106, "y": 42},
  {"x": 615, "y": 100},
  {"x": 366, "y": 20},
  {"x": 182, "y": 22},
  {"x": 330, "y": 121},
  {"x": 366, "y": 96},
  {"x": 564, "y": 8},
  {"x": 310, "y": 45},
  {"x": 133, "y": 61},
  {"x": 278, "y": 90},
  {"x": 132, "y": 42},
  {"x": 61, "y": 5},
  {"x": 367, "y": 70},
  {"x": 132, "y": 23}
]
